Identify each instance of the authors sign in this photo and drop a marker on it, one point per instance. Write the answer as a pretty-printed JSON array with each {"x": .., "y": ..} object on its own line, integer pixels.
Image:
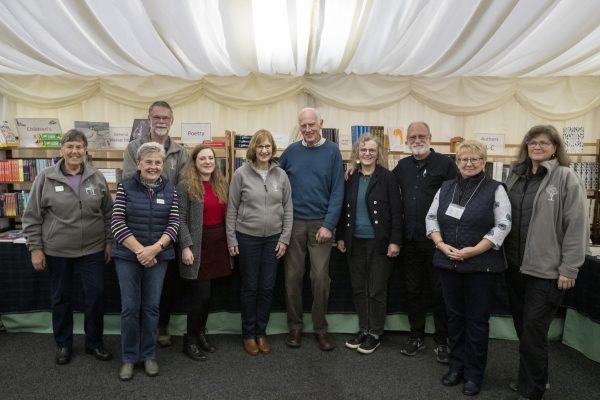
[{"x": 494, "y": 142}]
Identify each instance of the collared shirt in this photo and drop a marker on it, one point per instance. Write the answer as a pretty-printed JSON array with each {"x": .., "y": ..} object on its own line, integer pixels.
[{"x": 419, "y": 181}]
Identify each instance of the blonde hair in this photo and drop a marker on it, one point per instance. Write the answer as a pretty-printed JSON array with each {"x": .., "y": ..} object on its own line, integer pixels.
[
  {"x": 193, "y": 182},
  {"x": 471, "y": 146},
  {"x": 354, "y": 160}
]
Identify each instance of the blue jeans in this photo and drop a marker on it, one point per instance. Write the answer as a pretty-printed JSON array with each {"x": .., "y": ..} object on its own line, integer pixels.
[
  {"x": 140, "y": 297},
  {"x": 91, "y": 268},
  {"x": 258, "y": 270}
]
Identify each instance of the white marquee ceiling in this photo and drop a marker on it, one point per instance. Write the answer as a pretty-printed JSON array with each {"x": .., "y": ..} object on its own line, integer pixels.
[{"x": 191, "y": 39}]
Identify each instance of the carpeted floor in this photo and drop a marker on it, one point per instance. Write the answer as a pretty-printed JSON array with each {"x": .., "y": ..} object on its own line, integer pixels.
[{"x": 27, "y": 371}]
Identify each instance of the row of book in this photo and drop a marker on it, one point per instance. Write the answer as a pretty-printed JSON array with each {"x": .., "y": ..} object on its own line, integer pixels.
[
  {"x": 496, "y": 170},
  {"x": 22, "y": 170},
  {"x": 331, "y": 134},
  {"x": 356, "y": 131},
  {"x": 588, "y": 172},
  {"x": 13, "y": 204}
]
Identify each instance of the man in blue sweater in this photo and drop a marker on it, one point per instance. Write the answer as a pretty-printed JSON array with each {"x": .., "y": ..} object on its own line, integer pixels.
[{"x": 315, "y": 169}]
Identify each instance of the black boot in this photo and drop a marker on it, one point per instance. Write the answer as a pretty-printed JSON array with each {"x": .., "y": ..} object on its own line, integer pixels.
[
  {"x": 192, "y": 350},
  {"x": 205, "y": 344}
]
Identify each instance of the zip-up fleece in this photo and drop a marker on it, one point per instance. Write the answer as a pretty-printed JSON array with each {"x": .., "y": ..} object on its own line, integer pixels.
[
  {"x": 67, "y": 224},
  {"x": 259, "y": 208},
  {"x": 559, "y": 229}
]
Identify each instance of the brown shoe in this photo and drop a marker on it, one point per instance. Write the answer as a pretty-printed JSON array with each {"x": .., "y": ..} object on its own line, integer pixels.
[
  {"x": 294, "y": 338},
  {"x": 250, "y": 347},
  {"x": 326, "y": 341},
  {"x": 263, "y": 345}
]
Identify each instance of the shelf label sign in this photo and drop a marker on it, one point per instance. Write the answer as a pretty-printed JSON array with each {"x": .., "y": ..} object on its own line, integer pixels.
[
  {"x": 195, "y": 133},
  {"x": 38, "y": 132},
  {"x": 494, "y": 142}
]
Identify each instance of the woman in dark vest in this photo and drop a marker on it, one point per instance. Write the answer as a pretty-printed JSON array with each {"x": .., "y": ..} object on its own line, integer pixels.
[
  {"x": 145, "y": 222},
  {"x": 468, "y": 221},
  {"x": 204, "y": 254}
]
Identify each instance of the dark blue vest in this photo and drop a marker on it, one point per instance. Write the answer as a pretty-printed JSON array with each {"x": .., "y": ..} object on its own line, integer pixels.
[
  {"x": 147, "y": 216},
  {"x": 476, "y": 221}
]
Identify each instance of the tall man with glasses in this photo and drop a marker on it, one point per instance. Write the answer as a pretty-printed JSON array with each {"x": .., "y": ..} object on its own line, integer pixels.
[
  {"x": 160, "y": 116},
  {"x": 420, "y": 176}
]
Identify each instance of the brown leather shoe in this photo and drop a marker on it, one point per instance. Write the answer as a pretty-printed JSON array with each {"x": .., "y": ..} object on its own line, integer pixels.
[
  {"x": 294, "y": 338},
  {"x": 250, "y": 347},
  {"x": 326, "y": 341},
  {"x": 263, "y": 345}
]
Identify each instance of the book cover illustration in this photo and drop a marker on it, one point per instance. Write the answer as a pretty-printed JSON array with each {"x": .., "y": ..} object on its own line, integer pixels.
[
  {"x": 39, "y": 132},
  {"x": 141, "y": 127},
  {"x": 573, "y": 138},
  {"x": 97, "y": 133},
  {"x": 7, "y": 136}
]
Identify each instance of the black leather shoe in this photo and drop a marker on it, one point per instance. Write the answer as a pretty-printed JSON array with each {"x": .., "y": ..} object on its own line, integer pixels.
[
  {"x": 99, "y": 352},
  {"x": 471, "y": 388},
  {"x": 205, "y": 344},
  {"x": 452, "y": 378},
  {"x": 63, "y": 355}
]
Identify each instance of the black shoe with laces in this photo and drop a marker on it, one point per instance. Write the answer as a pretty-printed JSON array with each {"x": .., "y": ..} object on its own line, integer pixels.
[
  {"x": 412, "y": 346},
  {"x": 356, "y": 341},
  {"x": 370, "y": 344},
  {"x": 441, "y": 353}
]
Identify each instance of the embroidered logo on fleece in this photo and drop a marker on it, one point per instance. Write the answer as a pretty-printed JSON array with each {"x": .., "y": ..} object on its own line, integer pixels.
[{"x": 552, "y": 191}]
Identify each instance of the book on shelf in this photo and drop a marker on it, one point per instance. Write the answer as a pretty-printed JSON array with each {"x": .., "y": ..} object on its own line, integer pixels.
[
  {"x": 13, "y": 204},
  {"x": 216, "y": 143},
  {"x": 112, "y": 175},
  {"x": 7, "y": 136},
  {"x": 140, "y": 127},
  {"x": 97, "y": 133},
  {"x": 11, "y": 235},
  {"x": 39, "y": 132},
  {"x": 588, "y": 172},
  {"x": 356, "y": 131},
  {"x": 331, "y": 134}
]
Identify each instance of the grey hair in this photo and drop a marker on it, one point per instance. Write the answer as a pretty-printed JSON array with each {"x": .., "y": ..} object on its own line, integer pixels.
[
  {"x": 412, "y": 124},
  {"x": 149, "y": 148},
  {"x": 314, "y": 110},
  {"x": 74, "y": 135}
]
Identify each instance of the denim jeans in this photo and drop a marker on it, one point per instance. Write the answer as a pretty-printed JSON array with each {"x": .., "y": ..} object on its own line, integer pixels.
[
  {"x": 258, "y": 270},
  {"x": 91, "y": 268},
  {"x": 140, "y": 297}
]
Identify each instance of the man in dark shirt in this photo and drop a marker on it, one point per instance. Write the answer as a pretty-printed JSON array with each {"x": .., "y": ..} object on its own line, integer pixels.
[{"x": 420, "y": 176}]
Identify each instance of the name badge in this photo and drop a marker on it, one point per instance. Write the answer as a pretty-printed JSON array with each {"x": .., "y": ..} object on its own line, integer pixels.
[
  {"x": 455, "y": 211},
  {"x": 59, "y": 188},
  {"x": 160, "y": 201}
]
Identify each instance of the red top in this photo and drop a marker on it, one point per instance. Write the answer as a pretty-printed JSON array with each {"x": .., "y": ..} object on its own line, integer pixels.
[{"x": 214, "y": 212}]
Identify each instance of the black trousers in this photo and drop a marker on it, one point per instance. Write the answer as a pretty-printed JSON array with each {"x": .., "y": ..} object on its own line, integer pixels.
[
  {"x": 469, "y": 298},
  {"x": 369, "y": 274},
  {"x": 198, "y": 307},
  {"x": 540, "y": 303},
  {"x": 419, "y": 275},
  {"x": 169, "y": 296}
]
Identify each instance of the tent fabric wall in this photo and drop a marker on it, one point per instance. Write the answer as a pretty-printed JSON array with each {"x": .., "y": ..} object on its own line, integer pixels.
[{"x": 459, "y": 106}]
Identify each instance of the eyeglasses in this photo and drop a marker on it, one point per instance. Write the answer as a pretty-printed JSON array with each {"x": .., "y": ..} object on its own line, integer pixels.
[
  {"x": 264, "y": 147},
  {"x": 473, "y": 161},
  {"x": 160, "y": 118},
  {"x": 370, "y": 151},
  {"x": 420, "y": 138},
  {"x": 533, "y": 144}
]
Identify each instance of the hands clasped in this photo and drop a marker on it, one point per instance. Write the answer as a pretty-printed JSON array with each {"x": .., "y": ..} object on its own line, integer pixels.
[{"x": 147, "y": 256}]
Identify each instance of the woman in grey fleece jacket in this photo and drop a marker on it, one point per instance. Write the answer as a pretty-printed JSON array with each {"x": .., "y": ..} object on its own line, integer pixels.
[
  {"x": 259, "y": 224},
  {"x": 545, "y": 247}
]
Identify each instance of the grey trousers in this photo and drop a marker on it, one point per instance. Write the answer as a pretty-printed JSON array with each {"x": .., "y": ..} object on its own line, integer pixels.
[{"x": 301, "y": 241}]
